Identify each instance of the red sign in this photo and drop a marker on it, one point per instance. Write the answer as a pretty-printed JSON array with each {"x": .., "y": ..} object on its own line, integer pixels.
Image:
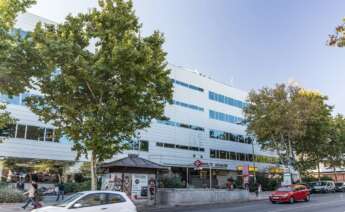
[{"x": 197, "y": 163}]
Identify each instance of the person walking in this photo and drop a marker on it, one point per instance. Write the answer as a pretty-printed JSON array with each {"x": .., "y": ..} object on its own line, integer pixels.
[
  {"x": 258, "y": 189},
  {"x": 61, "y": 191},
  {"x": 31, "y": 195}
]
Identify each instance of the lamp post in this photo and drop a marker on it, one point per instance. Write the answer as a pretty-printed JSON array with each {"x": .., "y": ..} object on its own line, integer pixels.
[{"x": 254, "y": 158}]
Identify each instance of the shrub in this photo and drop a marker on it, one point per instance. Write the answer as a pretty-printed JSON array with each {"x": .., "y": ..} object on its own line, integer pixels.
[
  {"x": 77, "y": 187},
  {"x": 171, "y": 182},
  {"x": 11, "y": 196}
]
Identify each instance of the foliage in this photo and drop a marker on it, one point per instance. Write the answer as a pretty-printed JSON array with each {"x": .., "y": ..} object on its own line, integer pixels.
[
  {"x": 5, "y": 118},
  {"x": 338, "y": 38},
  {"x": 309, "y": 178},
  {"x": 335, "y": 148},
  {"x": 11, "y": 196},
  {"x": 100, "y": 80},
  {"x": 267, "y": 184},
  {"x": 171, "y": 182},
  {"x": 291, "y": 121},
  {"x": 9, "y": 9},
  {"x": 17, "y": 51},
  {"x": 71, "y": 187}
]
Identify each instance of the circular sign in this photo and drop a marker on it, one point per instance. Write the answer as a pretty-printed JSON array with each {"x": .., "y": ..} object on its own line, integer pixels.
[
  {"x": 137, "y": 181},
  {"x": 197, "y": 163}
]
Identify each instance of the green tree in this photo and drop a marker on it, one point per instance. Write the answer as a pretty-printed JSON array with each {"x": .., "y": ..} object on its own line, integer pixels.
[
  {"x": 5, "y": 121},
  {"x": 335, "y": 149},
  {"x": 338, "y": 38},
  {"x": 290, "y": 121},
  {"x": 316, "y": 123},
  {"x": 270, "y": 118},
  {"x": 100, "y": 80}
]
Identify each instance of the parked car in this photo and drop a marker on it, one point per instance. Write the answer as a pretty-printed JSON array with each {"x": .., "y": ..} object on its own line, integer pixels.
[
  {"x": 93, "y": 201},
  {"x": 307, "y": 185},
  {"x": 323, "y": 187},
  {"x": 340, "y": 187},
  {"x": 290, "y": 194}
]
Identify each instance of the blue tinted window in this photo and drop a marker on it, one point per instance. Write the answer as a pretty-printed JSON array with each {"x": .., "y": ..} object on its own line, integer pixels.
[
  {"x": 193, "y": 87},
  {"x": 225, "y": 117},
  {"x": 182, "y": 125},
  {"x": 182, "y": 104},
  {"x": 226, "y": 100}
]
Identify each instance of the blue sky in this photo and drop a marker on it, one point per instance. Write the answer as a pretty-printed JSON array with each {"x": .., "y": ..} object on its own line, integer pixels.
[{"x": 249, "y": 43}]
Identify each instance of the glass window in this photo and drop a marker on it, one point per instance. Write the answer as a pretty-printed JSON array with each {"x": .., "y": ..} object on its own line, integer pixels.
[
  {"x": 193, "y": 148},
  {"x": 182, "y": 147},
  {"x": 144, "y": 146},
  {"x": 159, "y": 144},
  {"x": 233, "y": 156},
  {"x": 93, "y": 200},
  {"x": 241, "y": 156},
  {"x": 115, "y": 198},
  {"x": 8, "y": 131},
  {"x": 21, "y": 131},
  {"x": 35, "y": 133},
  {"x": 222, "y": 154},
  {"x": 49, "y": 134},
  {"x": 212, "y": 153},
  {"x": 166, "y": 145}
]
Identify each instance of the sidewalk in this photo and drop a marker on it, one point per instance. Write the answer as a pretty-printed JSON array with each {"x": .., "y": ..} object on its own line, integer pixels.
[{"x": 50, "y": 200}]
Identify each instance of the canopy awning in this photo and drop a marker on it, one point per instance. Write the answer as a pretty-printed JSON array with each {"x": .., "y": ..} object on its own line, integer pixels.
[{"x": 133, "y": 161}]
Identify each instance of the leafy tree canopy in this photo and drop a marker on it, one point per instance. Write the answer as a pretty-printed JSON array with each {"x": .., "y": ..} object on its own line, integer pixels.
[
  {"x": 100, "y": 80},
  {"x": 290, "y": 120}
]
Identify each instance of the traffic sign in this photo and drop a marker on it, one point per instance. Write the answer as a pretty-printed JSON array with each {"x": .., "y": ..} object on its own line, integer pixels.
[{"x": 197, "y": 163}]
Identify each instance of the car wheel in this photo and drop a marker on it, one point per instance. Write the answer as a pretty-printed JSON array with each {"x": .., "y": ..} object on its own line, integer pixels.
[
  {"x": 273, "y": 202},
  {"x": 291, "y": 200},
  {"x": 307, "y": 198}
]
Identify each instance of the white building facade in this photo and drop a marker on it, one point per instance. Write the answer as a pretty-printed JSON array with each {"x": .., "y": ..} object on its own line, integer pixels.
[{"x": 205, "y": 124}]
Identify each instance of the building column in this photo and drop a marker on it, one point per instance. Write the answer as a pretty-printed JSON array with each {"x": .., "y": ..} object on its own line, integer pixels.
[{"x": 2, "y": 166}]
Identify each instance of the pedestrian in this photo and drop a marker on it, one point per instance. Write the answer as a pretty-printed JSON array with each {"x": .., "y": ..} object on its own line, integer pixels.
[
  {"x": 258, "y": 189},
  {"x": 30, "y": 195},
  {"x": 61, "y": 191},
  {"x": 229, "y": 184}
]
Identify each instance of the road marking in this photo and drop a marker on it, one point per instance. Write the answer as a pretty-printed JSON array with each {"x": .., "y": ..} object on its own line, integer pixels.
[{"x": 306, "y": 206}]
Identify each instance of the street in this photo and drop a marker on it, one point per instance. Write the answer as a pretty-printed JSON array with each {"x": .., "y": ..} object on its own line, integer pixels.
[{"x": 319, "y": 203}]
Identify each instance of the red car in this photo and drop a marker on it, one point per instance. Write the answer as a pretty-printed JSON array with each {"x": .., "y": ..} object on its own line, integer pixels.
[{"x": 291, "y": 194}]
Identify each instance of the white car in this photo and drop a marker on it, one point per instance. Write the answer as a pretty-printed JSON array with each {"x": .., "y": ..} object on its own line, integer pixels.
[{"x": 93, "y": 201}]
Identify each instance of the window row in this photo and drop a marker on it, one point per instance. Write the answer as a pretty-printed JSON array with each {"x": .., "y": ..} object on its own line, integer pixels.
[
  {"x": 227, "y": 136},
  {"x": 15, "y": 100},
  {"x": 187, "y": 85},
  {"x": 225, "y": 117},
  {"x": 138, "y": 145},
  {"x": 176, "y": 124},
  {"x": 193, "y": 107},
  {"x": 29, "y": 132},
  {"x": 226, "y": 155},
  {"x": 226, "y": 100},
  {"x": 178, "y": 146}
]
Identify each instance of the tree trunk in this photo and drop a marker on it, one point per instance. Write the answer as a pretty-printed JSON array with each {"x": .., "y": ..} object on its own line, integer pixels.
[
  {"x": 335, "y": 174},
  {"x": 93, "y": 171},
  {"x": 318, "y": 172}
]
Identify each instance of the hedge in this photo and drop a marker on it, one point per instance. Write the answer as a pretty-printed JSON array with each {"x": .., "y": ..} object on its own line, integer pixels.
[{"x": 11, "y": 196}]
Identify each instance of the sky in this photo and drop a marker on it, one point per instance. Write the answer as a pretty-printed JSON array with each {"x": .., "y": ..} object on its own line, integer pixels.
[{"x": 246, "y": 43}]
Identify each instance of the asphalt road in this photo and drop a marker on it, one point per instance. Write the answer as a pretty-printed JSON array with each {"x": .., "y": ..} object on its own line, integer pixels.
[{"x": 334, "y": 202}]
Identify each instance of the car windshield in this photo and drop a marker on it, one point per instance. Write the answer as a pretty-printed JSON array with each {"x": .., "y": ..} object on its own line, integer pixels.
[
  {"x": 320, "y": 183},
  {"x": 285, "y": 188},
  {"x": 70, "y": 199}
]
